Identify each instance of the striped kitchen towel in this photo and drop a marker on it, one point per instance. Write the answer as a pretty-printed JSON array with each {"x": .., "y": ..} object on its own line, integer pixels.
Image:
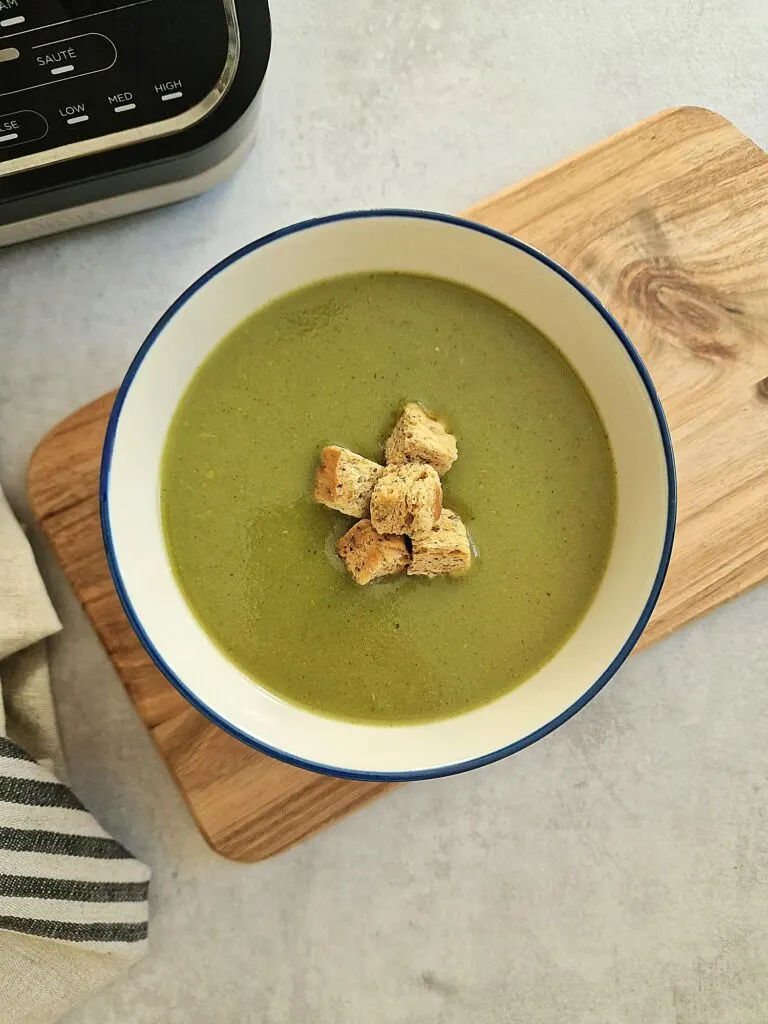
[{"x": 73, "y": 901}]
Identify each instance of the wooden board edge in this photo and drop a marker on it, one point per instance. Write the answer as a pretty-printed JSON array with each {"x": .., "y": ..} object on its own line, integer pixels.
[
  {"x": 51, "y": 436},
  {"x": 266, "y": 851},
  {"x": 709, "y": 119}
]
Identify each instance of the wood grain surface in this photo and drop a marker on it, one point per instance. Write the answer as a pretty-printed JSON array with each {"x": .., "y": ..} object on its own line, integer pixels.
[{"x": 668, "y": 223}]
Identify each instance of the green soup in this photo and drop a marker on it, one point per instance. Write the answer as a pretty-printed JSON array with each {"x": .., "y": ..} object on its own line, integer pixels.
[{"x": 332, "y": 364}]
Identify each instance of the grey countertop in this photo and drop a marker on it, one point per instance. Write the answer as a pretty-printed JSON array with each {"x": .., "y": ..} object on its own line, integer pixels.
[{"x": 616, "y": 872}]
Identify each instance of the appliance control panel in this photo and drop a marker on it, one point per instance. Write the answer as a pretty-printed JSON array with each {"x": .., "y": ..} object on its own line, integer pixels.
[{"x": 83, "y": 76}]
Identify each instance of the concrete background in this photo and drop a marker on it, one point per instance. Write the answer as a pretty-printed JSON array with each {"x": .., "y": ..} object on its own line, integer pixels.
[{"x": 616, "y": 872}]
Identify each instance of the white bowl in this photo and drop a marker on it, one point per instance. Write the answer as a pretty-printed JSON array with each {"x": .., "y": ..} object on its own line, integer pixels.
[{"x": 421, "y": 243}]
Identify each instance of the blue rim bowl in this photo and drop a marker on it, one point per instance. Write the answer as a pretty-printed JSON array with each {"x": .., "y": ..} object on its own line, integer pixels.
[{"x": 330, "y": 769}]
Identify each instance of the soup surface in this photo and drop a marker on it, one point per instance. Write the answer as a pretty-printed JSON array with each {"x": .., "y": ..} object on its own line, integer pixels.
[{"x": 332, "y": 364}]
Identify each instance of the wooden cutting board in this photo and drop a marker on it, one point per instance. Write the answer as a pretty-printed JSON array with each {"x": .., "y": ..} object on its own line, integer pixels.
[{"x": 668, "y": 223}]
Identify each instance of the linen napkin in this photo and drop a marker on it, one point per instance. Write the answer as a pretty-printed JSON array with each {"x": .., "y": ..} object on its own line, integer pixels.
[{"x": 73, "y": 902}]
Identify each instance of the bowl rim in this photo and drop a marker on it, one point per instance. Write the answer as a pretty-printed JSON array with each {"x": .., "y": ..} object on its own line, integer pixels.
[{"x": 441, "y": 770}]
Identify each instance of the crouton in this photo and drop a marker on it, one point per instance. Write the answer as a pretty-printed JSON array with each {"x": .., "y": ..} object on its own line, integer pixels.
[
  {"x": 418, "y": 437},
  {"x": 344, "y": 481},
  {"x": 407, "y": 499},
  {"x": 444, "y": 551},
  {"x": 368, "y": 555}
]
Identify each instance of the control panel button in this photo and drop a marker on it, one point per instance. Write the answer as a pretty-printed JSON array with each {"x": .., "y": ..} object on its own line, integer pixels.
[
  {"x": 21, "y": 126},
  {"x": 78, "y": 55},
  {"x": 169, "y": 90},
  {"x": 27, "y": 15},
  {"x": 58, "y": 60},
  {"x": 74, "y": 113},
  {"x": 11, "y": 14},
  {"x": 121, "y": 102}
]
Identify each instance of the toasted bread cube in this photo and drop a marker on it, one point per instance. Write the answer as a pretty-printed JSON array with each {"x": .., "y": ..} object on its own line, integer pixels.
[
  {"x": 418, "y": 437},
  {"x": 369, "y": 555},
  {"x": 444, "y": 551},
  {"x": 407, "y": 499},
  {"x": 344, "y": 481}
]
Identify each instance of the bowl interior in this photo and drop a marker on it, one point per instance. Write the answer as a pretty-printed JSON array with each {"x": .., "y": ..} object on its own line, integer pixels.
[{"x": 444, "y": 248}]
